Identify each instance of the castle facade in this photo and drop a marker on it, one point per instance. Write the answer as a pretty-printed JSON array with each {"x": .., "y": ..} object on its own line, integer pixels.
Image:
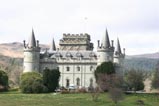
[{"x": 74, "y": 58}]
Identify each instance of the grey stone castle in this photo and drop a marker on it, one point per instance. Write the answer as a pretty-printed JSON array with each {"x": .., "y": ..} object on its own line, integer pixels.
[{"x": 74, "y": 58}]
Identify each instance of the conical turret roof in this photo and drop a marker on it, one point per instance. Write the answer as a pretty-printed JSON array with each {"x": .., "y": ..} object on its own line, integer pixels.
[
  {"x": 105, "y": 41},
  {"x": 53, "y": 46},
  {"x": 118, "y": 48},
  {"x": 32, "y": 41}
]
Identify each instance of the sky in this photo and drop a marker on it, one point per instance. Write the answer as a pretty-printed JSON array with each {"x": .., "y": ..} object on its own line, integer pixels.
[{"x": 134, "y": 22}]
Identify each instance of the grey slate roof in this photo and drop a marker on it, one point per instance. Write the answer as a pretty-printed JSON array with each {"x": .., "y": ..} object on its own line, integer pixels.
[
  {"x": 105, "y": 41},
  {"x": 32, "y": 41},
  {"x": 72, "y": 54},
  {"x": 53, "y": 46},
  {"x": 118, "y": 48}
]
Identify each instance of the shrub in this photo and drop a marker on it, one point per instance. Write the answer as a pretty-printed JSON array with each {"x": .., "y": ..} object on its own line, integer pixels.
[
  {"x": 3, "y": 81},
  {"x": 32, "y": 82}
]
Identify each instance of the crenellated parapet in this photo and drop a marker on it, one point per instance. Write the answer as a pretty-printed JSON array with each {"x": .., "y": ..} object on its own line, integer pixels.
[
  {"x": 77, "y": 36},
  {"x": 76, "y": 42}
]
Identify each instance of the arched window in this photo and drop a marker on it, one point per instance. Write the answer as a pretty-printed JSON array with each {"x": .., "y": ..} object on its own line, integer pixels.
[
  {"x": 91, "y": 68},
  {"x": 78, "y": 82},
  {"x": 67, "y": 82},
  {"x": 91, "y": 82}
]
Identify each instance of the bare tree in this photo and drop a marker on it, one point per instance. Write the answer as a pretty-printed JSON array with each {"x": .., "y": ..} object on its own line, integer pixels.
[
  {"x": 116, "y": 94},
  {"x": 95, "y": 92}
]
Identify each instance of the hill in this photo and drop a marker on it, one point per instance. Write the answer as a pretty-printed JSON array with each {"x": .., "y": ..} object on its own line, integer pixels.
[
  {"x": 149, "y": 55},
  {"x": 11, "y": 59},
  {"x": 145, "y": 64},
  {"x": 15, "y": 49}
]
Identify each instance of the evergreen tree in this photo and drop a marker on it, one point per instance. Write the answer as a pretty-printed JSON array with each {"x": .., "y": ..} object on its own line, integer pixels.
[
  {"x": 3, "y": 81},
  {"x": 51, "y": 79}
]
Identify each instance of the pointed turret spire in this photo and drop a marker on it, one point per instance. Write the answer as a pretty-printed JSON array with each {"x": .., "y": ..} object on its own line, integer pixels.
[
  {"x": 32, "y": 41},
  {"x": 53, "y": 46},
  {"x": 105, "y": 40},
  {"x": 118, "y": 48}
]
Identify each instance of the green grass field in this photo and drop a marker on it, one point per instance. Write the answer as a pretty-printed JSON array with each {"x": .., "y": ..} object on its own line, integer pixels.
[{"x": 18, "y": 99}]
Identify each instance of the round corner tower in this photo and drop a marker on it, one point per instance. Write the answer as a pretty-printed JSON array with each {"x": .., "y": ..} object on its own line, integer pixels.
[
  {"x": 119, "y": 59},
  {"x": 118, "y": 55},
  {"x": 105, "y": 50},
  {"x": 31, "y": 55}
]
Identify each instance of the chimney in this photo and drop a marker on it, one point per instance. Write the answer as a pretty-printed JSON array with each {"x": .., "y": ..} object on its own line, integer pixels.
[
  {"x": 24, "y": 43},
  {"x": 98, "y": 43},
  {"x": 112, "y": 43},
  {"x": 37, "y": 43},
  {"x": 124, "y": 51}
]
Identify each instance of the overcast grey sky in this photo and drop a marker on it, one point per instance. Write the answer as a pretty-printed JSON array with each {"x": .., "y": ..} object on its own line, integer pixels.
[{"x": 135, "y": 22}]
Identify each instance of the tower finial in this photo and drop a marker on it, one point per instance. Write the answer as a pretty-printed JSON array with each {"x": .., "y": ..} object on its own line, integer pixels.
[
  {"x": 118, "y": 48},
  {"x": 53, "y": 46},
  {"x": 32, "y": 41},
  {"x": 105, "y": 40}
]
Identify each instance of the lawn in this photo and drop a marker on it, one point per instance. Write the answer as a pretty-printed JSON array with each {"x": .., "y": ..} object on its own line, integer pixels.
[{"x": 18, "y": 99}]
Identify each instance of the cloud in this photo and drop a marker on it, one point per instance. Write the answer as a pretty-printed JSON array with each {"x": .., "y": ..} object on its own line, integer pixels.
[{"x": 132, "y": 21}]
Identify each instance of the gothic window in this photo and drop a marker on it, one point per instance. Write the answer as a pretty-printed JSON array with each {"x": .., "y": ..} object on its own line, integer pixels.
[
  {"x": 67, "y": 68},
  {"x": 67, "y": 82},
  {"x": 91, "y": 68},
  {"x": 78, "y": 82},
  {"x": 78, "y": 68},
  {"x": 91, "y": 82}
]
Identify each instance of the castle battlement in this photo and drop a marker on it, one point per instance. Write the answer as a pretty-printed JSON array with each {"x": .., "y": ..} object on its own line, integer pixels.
[{"x": 72, "y": 36}]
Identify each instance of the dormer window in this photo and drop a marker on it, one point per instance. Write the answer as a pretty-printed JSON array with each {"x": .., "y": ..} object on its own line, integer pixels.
[{"x": 79, "y": 55}]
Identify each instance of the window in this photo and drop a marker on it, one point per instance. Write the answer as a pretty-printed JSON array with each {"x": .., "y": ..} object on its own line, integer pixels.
[
  {"x": 67, "y": 82},
  {"x": 78, "y": 68},
  {"x": 91, "y": 68},
  {"x": 67, "y": 68},
  {"x": 91, "y": 82},
  {"x": 78, "y": 82}
]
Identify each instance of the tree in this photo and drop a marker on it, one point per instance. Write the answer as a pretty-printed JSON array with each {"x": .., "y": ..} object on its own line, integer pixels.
[
  {"x": 134, "y": 80},
  {"x": 51, "y": 79},
  {"x": 107, "y": 79},
  {"x": 104, "y": 74},
  {"x": 155, "y": 79},
  {"x": 116, "y": 94},
  {"x": 32, "y": 82},
  {"x": 3, "y": 81}
]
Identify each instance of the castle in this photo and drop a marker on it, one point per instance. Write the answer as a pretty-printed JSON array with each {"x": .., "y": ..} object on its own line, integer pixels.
[{"x": 74, "y": 58}]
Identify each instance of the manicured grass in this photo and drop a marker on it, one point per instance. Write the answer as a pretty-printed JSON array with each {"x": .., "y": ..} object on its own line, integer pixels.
[{"x": 17, "y": 99}]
